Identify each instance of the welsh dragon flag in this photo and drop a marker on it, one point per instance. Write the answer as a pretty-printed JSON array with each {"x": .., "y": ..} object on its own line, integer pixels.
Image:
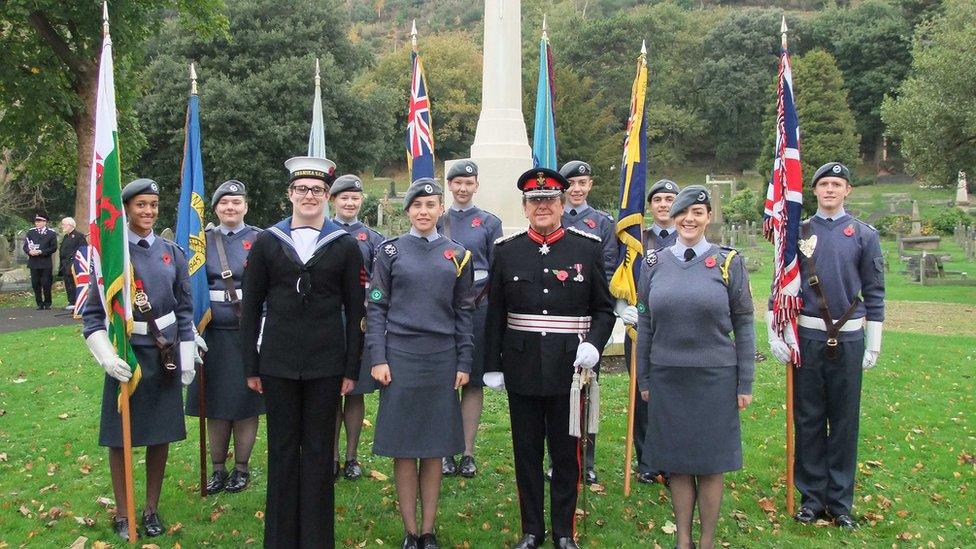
[{"x": 107, "y": 222}]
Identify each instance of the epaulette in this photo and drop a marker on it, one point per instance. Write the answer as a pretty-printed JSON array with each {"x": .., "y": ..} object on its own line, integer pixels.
[
  {"x": 583, "y": 233},
  {"x": 601, "y": 212},
  {"x": 868, "y": 225},
  {"x": 727, "y": 249},
  {"x": 504, "y": 239}
]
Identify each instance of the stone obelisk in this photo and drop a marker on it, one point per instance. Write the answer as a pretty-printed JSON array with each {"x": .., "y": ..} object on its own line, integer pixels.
[{"x": 501, "y": 148}]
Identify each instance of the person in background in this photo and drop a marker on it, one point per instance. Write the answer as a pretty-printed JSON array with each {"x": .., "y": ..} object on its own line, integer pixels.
[
  {"x": 70, "y": 243},
  {"x": 40, "y": 243}
]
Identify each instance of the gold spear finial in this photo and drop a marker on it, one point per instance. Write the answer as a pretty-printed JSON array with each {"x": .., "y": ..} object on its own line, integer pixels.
[
  {"x": 782, "y": 31},
  {"x": 105, "y": 18},
  {"x": 193, "y": 79}
]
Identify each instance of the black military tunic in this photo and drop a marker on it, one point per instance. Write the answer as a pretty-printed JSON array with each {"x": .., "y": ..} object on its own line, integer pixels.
[{"x": 41, "y": 266}]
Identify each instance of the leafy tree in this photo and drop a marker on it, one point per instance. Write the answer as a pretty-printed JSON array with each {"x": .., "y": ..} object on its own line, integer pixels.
[
  {"x": 871, "y": 43},
  {"x": 746, "y": 205},
  {"x": 934, "y": 115},
  {"x": 50, "y": 54},
  {"x": 827, "y": 131}
]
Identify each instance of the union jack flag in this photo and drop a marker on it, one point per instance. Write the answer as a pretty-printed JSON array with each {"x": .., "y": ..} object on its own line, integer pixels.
[
  {"x": 81, "y": 272},
  {"x": 782, "y": 210},
  {"x": 420, "y": 131}
]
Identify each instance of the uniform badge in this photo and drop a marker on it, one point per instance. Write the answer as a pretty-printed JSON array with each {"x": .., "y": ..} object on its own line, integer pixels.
[
  {"x": 154, "y": 187},
  {"x": 579, "y": 272},
  {"x": 582, "y": 169},
  {"x": 167, "y": 258},
  {"x": 651, "y": 259},
  {"x": 468, "y": 168},
  {"x": 141, "y": 299},
  {"x": 544, "y": 249},
  {"x": 836, "y": 168},
  {"x": 376, "y": 294},
  {"x": 246, "y": 244},
  {"x": 476, "y": 222},
  {"x": 849, "y": 230},
  {"x": 641, "y": 308},
  {"x": 361, "y": 237},
  {"x": 710, "y": 261},
  {"x": 428, "y": 189},
  {"x": 590, "y": 223},
  {"x": 390, "y": 250},
  {"x": 233, "y": 188},
  {"x": 807, "y": 246}
]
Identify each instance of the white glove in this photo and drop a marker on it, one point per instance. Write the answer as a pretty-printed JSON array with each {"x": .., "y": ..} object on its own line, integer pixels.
[
  {"x": 107, "y": 357},
  {"x": 494, "y": 380},
  {"x": 201, "y": 347},
  {"x": 188, "y": 354},
  {"x": 872, "y": 344},
  {"x": 586, "y": 356},
  {"x": 776, "y": 344},
  {"x": 627, "y": 313}
]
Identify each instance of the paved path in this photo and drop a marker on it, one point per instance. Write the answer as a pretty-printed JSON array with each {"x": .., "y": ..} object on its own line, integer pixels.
[{"x": 27, "y": 318}]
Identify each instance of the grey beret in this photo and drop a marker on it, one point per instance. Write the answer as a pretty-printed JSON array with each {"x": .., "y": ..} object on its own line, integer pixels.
[
  {"x": 832, "y": 169},
  {"x": 663, "y": 186},
  {"x": 231, "y": 187},
  {"x": 688, "y": 197},
  {"x": 343, "y": 183},
  {"x": 463, "y": 168},
  {"x": 139, "y": 186},
  {"x": 575, "y": 168},
  {"x": 424, "y": 186}
]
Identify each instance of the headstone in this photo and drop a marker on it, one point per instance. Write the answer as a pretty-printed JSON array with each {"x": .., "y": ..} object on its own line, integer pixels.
[
  {"x": 4, "y": 252},
  {"x": 962, "y": 193},
  {"x": 916, "y": 220},
  {"x": 20, "y": 257}
]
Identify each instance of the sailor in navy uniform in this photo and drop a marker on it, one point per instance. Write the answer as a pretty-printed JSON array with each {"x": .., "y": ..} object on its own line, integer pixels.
[
  {"x": 346, "y": 195},
  {"x": 163, "y": 312},
  {"x": 843, "y": 291},
  {"x": 476, "y": 230},
  {"x": 549, "y": 312},
  {"x": 580, "y": 215},
  {"x": 230, "y": 406},
  {"x": 40, "y": 243},
  {"x": 307, "y": 272}
]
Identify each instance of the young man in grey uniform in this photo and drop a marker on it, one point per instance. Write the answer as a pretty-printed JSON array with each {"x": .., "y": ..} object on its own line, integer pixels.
[{"x": 842, "y": 287}]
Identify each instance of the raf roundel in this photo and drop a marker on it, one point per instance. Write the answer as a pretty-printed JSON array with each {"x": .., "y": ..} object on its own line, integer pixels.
[
  {"x": 582, "y": 169},
  {"x": 154, "y": 187},
  {"x": 233, "y": 188},
  {"x": 701, "y": 196},
  {"x": 428, "y": 189},
  {"x": 468, "y": 169},
  {"x": 836, "y": 168},
  {"x": 669, "y": 186},
  {"x": 357, "y": 184}
]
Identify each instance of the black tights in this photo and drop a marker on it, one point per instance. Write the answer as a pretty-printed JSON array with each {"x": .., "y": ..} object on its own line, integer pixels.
[
  {"x": 219, "y": 430},
  {"x": 707, "y": 491}
]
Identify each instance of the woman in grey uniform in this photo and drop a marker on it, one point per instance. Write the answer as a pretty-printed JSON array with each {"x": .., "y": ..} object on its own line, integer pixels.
[
  {"x": 696, "y": 357},
  {"x": 419, "y": 340},
  {"x": 230, "y": 405},
  {"x": 162, "y": 288}
]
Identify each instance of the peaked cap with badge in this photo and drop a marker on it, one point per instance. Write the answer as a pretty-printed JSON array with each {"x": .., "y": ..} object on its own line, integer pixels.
[{"x": 542, "y": 183}]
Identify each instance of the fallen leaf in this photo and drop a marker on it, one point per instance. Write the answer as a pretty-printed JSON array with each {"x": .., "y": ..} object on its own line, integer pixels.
[
  {"x": 24, "y": 511},
  {"x": 367, "y": 423},
  {"x": 54, "y": 512},
  {"x": 20, "y": 380},
  {"x": 215, "y": 514},
  {"x": 79, "y": 543},
  {"x": 598, "y": 488},
  {"x": 873, "y": 463},
  {"x": 376, "y": 475},
  {"x": 485, "y": 526},
  {"x": 669, "y": 528},
  {"x": 902, "y": 513},
  {"x": 767, "y": 505},
  {"x": 259, "y": 515},
  {"x": 150, "y": 546},
  {"x": 85, "y": 521},
  {"x": 174, "y": 528},
  {"x": 3, "y": 456},
  {"x": 904, "y": 536},
  {"x": 62, "y": 416},
  {"x": 48, "y": 488},
  {"x": 104, "y": 502},
  {"x": 99, "y": 544},
  {"x": 964, "y": 458},
  {"x": 85, "y": 469}
]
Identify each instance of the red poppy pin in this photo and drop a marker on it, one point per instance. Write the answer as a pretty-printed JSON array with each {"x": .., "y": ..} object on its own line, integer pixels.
[
  {"x": 849, "y": 230},
  {"x": 590, "y": 223},
  {"x": 246, "y": 244},
  {"x": 710, "y": 261},
  {"x": 562, "y": 275},
  {"x": 476, "y": 222},
  {"x": 361, "y": 236},
  {"x": 167, "y": 259},
  {"x": 449, "y": 253}
]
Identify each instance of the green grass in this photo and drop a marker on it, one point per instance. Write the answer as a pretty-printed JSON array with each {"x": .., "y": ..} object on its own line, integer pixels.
[{"x": 917, "y": 425}]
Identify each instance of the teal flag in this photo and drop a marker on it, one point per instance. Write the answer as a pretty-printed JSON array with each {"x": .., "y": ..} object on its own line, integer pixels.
[
  {"x": 544, "y": 139},
  {"x": 189, "y": 216}
]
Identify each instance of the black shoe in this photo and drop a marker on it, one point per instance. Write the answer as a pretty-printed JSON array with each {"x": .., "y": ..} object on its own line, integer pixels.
[
  {"x": 529, "y": 541},
  {"x": 153, "y": 525},
  {"x": 468, "y": 469},
  {"x": 238, "y": 481},
  {"x": 336, "y": 471},
  {"x": 40, "y": 307},
  {"x": 845, "y": 522},
  {"x": 428, "y": 541},
  {"x": 410, "y": 541},
  {"x": 548, "y": 475},
  {"x": 590, "y": 476},
  {"x": 449, "y": 466},
  {"x": 353, "y": 470},
  {"x": 646, "y": 478},
  {"x": 121, "y": 528},
  {"x": 566, "y": 543},
  {"x": 217, "y": 482},
  {"x": 807, "y": 515}
]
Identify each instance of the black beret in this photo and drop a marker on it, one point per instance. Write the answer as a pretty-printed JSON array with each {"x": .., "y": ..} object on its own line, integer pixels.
[
  {"x": 424, "y": 186},
  {"x": 139, "y": 186},
  {"x": 343, "y": 183},
  {"x": 463, "y": 168},
  {"x": 832, "y": 169},
  {"x": 575, "y": 168},
  {"x": 663, "y": 186},
  {"x": 688, "y": 197},
  {"x": 231, "y": 187}
]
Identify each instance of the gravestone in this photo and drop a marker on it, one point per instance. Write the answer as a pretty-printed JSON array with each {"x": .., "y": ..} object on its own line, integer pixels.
[
  {"x": 4, "y": 253},
  {"x": 20, "y": 256},
  {"x": 716, "y": 228},
  {"x": 916, "y": 220},
  {"x": 925, "y": 266},
  {"x": 962, "y": 193}
]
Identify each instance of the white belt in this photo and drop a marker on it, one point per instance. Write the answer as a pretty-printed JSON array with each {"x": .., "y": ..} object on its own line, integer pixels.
[
  {"x": 816, "y": 323},
  {"x": 221, "y": 295},
  {"x": 549, "y": 323},
  {"x": 163, "y": 322},
  {"x": 480, "y": 274}
]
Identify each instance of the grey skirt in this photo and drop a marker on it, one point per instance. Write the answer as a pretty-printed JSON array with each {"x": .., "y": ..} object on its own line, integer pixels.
[
  {"x": 156, "y": 406},
  {"x": 478, "y": 362},
  {"x": 419, "y": 413},
  {"x": 365, "y": 384},
  {"x": 225, "y": 383},
  {"x": 693, "y": 420}
]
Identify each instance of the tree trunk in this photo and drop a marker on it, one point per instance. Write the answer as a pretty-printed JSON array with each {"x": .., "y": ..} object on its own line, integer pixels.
[{"x": 84, "y": 125}]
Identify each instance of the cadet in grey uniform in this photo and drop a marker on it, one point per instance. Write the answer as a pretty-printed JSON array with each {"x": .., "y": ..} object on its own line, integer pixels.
[
  {"x": 476, "y": 230},
  {"x": 579, "y": 215},
  {"x": 162, "y": 340},
  {"x": 693, "y": 298},
  {"x": 347, "y": 201},
  {"x": 419, "y": 340},
  {"x": 40, "y": 243},
  {"x": 230, "y": 405},
  {"x": 840, "y": 336}
]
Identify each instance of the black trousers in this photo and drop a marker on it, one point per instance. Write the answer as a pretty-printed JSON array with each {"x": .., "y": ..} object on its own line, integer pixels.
[
  {"x": 301, "y": 428},
  {"x": 640, "y": 416},
  {"x": 69, "y": 287},
  {"x": 41, "y": 281},
  {"x": 535, "y": 420},
  {"x": 827, "y": 406}
]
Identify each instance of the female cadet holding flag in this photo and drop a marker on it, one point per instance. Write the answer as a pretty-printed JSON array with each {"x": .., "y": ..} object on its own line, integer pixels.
[
  {"x": 693, "y": 297},
  {"x": 162, "y": 339},
  {"x": 418, "y": 336}
]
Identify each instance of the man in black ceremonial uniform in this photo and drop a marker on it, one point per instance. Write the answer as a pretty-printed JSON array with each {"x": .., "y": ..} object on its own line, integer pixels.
[
  {"x": 40, "y": 243},
  {"x": 549, "y": 313}
]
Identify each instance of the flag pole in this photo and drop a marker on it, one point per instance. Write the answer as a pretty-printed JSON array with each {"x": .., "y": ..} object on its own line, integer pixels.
[
  {"x": 790, "y": 450},
  {"x": 201, "y": 377},
  {"x": 124, "y": 411}
]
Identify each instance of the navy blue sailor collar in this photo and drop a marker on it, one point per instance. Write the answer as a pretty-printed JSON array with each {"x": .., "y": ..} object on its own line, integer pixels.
[{"x": 329, "y": 232}]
